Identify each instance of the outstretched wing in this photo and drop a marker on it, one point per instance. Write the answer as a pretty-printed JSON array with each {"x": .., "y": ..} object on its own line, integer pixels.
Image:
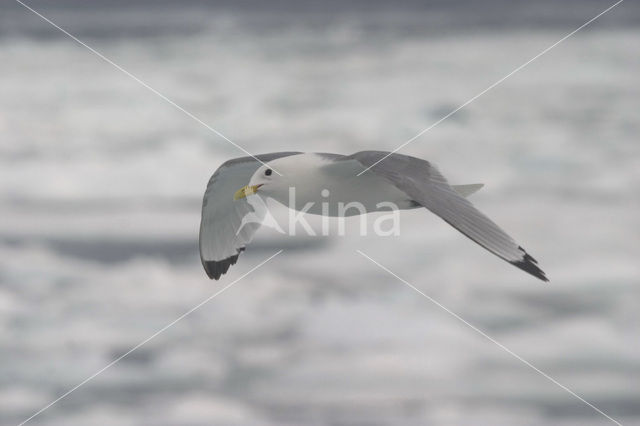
[
  {"x": 228, "y": 225},
  {"x": 421, "y": 181}
]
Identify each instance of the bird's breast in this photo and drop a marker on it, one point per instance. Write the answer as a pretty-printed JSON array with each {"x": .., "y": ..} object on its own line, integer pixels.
[{"x": 345, "y": 197}]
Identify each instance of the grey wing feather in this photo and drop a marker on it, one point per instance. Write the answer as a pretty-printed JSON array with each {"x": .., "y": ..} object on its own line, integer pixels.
[
  {"x": 422, "y": 181},
  {"x": 223, "y": 234}
]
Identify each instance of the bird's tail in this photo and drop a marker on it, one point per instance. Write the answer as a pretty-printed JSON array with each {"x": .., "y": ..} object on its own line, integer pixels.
[{"x": 466, "y": 190}]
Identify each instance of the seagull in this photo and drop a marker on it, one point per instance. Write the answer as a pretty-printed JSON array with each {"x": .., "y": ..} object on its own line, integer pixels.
[{"x": 330, "y": 179}]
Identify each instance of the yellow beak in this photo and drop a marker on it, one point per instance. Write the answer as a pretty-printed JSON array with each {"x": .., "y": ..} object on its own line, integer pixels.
[{"x": 245, "y": 191}]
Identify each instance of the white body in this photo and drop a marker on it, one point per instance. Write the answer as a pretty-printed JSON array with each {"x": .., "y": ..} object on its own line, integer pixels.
[{"x": 330, "y": 191}]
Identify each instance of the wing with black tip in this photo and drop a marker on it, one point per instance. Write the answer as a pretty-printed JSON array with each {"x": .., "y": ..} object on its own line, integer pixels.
[
  {"x": 228, "y": 225},
  {"x": 423, "y": 183}
]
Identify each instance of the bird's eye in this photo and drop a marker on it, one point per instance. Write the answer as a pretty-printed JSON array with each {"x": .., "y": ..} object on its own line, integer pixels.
[{"x": 268, "y": 172}]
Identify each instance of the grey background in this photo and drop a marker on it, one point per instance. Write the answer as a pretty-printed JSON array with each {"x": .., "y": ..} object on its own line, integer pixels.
[{"x": 101, "y": 184}]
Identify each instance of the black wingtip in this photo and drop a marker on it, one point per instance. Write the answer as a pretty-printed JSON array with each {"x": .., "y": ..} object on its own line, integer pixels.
[
  {"x": 530, "y": 265},
  {"x": 217, "y": 268}
]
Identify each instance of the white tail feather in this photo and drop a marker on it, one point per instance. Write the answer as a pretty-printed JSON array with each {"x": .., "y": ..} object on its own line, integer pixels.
[{"x": 466, "y": 190}]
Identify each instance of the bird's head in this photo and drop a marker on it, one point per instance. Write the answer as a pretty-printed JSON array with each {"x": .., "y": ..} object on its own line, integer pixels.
[{"x": 273, "y": 179}]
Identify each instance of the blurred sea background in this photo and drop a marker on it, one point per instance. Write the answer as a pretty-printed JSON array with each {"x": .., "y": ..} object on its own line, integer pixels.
[{"x": 101, "y": 186}]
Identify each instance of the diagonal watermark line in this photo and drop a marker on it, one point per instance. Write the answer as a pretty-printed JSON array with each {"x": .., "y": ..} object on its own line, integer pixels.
[
  {"x": 171, "y": 324},
  {"x": 422, "y": 132},
  {"x": 141, "y": 82},
  {"x": 485, "y": 335}
]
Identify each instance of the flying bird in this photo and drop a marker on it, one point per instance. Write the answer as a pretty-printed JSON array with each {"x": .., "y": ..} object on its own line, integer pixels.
[{"x": 318, "y": 178}]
